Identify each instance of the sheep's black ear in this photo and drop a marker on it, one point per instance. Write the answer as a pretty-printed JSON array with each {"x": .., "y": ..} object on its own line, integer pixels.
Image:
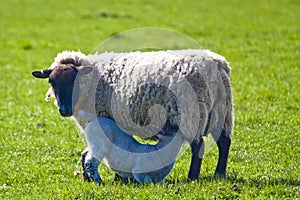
[
  {"x": 42, "y": 74},
  {"x": 84, "y": 70}
]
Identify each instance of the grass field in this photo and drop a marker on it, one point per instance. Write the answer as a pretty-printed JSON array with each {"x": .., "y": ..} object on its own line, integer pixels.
[{"x": 40, "y": 150}]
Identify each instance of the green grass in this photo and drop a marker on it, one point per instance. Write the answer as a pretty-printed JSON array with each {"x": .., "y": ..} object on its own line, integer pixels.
[{"x": 40, "y": 150}]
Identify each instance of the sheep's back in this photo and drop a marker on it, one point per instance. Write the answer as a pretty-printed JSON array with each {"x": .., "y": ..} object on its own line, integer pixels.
[{"x": 131, "y": 83}]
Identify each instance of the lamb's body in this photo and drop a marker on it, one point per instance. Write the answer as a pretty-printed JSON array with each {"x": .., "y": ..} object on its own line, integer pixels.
[
  {"x": 192, "y": 88},
  {"x": 123, "y": 154}
]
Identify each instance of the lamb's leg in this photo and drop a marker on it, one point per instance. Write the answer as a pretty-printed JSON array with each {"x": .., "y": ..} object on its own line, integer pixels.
[
  {"x": 197, "y": 155},
  {"x": 83, "y": 158},
  {"x": 124, "y": 180},
  {"x": 223, "y": 143},
  {"x": 118, "y": 177},
  {"x": 90, "y": 167}
]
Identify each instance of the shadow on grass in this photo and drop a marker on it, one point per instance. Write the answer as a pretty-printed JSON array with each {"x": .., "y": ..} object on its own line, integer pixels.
[{"x": 265, "y": 181}]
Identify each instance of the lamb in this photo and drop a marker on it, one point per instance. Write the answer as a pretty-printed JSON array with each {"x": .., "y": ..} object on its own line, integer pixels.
[
  {"x": 107, "y": 142},
  {"x": 150, "y": 92}
]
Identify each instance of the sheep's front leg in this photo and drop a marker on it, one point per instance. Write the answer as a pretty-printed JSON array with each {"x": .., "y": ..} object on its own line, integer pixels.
[
  {"x": 90, "y": 167},
  {"x": 83, "y": 160},
  {"x": 223, "y": 143},
  {"x": 197, "y": 155}
]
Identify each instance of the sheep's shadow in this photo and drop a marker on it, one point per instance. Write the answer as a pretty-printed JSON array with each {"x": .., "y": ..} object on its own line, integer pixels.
[{"x": 267, "y": 181}]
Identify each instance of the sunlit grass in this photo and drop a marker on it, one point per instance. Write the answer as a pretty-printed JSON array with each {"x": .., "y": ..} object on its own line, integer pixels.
[{"x": 40, "y": 150}]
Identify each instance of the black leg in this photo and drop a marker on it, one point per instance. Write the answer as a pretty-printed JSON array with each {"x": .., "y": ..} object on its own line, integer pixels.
[
  {"x": 124, "y": 180},
  {"x": 83, "y": 156},
  {"x": 223, "y": 143},
  {"x": 90, "y": 168},
  {"x": 197, "y": 154},
  {"x": 118, "y": 177}
]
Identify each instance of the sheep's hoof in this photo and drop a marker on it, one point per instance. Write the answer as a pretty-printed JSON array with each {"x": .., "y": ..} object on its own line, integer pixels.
[
  {"x": 220, "y": 175},
  {"x": 194, "y": 178},
  {"x": 92, "y": 177}
]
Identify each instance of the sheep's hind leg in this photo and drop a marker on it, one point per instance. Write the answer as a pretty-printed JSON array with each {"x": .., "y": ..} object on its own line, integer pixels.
[
  {"x": 197, "y": 155},
  {"x": 90, "y": 168},
  {"x": 223, "y": 143}
]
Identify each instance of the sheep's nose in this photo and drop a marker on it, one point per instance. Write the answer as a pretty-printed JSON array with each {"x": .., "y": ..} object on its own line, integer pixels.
[{"x": 65, "y": 111}]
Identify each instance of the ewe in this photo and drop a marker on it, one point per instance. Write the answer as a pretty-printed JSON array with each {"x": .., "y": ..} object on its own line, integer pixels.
[{"x": 150, "y": 92}]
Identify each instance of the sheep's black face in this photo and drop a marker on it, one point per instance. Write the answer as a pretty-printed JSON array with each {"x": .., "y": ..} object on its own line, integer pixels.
[{"x": 63, "y": 81}]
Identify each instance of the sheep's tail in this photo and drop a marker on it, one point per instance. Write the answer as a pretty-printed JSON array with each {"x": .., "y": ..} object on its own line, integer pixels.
[
  {"x": 86, "y": 115},
  {"x": 229, "y": 121}
]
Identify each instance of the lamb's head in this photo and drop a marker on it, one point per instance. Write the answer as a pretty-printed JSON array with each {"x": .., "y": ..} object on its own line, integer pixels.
[{"x": 62, "y": 77}]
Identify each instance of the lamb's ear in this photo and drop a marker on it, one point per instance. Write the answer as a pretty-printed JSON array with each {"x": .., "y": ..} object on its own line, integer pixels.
[
  {"x": 42, "y": 74},
  {"x": 83, "y": 70}
]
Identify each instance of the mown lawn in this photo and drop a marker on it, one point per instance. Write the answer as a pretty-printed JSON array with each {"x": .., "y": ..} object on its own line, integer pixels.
[{"x": 40, "y": 150}]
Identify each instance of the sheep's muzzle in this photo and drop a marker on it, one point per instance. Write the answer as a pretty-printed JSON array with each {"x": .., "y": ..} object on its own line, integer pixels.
[{"x": 65, "y": 111}]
